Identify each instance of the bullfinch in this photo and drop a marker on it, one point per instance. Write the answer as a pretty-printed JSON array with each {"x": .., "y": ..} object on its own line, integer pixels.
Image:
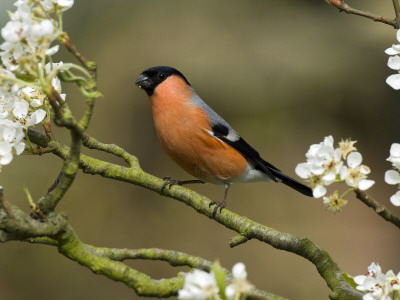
[{"x": 199, "y": 140}]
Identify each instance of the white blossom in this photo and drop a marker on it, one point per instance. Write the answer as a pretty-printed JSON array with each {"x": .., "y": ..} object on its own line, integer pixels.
[
  {"x": 50, "y": 5},
  {"x": 393, "y": 176},
  {"x": 11, "y": 135},
  {"x": 322, "y": 166},
  {"x": 30, "y": 32},
  {"x": 239, "y": 284},
  {"x": 355, "y": 174},
  {"x": 199, "y": 285},
  {"x": 28, "y": 36},
  {"x": 395, "y": 199},
  {"x": 394, "y": 64},
  {"x": 377, "y": 285},
  {"x": 325, "y": 165},
  {"x": 394, "y": 157}
]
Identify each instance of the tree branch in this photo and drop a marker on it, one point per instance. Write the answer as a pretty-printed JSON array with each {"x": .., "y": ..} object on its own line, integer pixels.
[
  {"x": 4, "y": 203},
  {"x": 247, "y": 228},
  {"x": 342, "y": 6},
  {"x": 396, "y": 11},
  {"x": 55, "y": 231},
  {"x": 65, "y": 119},
  {"x": 379, "y": 208},
  {"x": 92, "y": 143}
]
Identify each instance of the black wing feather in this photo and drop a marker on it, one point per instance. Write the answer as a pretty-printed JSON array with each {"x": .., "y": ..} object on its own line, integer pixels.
[{"x": 221, "y": 131}]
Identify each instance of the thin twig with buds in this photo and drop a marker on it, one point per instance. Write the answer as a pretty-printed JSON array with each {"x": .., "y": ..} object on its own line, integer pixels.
[{"x": 342, "y": 6}]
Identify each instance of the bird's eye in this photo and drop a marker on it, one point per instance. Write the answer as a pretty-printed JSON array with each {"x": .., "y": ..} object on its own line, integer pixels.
[{"x": 162, "y": 76}]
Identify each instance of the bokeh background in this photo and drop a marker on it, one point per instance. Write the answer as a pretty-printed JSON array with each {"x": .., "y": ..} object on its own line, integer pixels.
[{"x": 284, "y": 74}]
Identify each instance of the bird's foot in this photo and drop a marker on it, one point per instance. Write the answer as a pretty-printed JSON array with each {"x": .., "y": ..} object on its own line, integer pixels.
[
  {"x": 168, "y": 182},
  {"x": 218, "y": 204}
]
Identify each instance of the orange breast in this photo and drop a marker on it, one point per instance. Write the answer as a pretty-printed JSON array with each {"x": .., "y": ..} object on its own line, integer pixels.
[{"x": 183, "y": 130}]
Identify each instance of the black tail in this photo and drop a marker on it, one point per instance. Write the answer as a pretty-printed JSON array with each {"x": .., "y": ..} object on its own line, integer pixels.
[{"x": 292, "y": 183}]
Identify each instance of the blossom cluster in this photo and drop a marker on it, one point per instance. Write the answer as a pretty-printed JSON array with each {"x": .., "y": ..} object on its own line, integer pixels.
[
  {"x": 394, "y": 63},
  {"x": 377, "y": 285},
  {"x": 325, "y": 164},
  {"x": 203, "y": 285},
  {"x": 24, "y": 74},
  {"x": 393, "y": 176}
]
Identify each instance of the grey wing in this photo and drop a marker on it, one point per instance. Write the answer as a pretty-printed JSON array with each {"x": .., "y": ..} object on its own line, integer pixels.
[{"x": 223, "y": 131}]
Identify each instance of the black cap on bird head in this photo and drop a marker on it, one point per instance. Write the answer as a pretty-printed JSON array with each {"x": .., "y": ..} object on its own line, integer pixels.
[{"x": 152, "y": 77}]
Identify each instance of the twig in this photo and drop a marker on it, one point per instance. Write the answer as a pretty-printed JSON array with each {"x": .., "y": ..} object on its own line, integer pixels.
[
  {"x": 342, "y": 6},
  {"x": 174, "y": 258},
  {"x": 396, "y": 11},
  {"x": 67, "y": 175},
  {"x": 237, "y": 240},
  {"x": 64, "y": 118},
  {"x": 36, "y": 212},
  {"x": 47, "y": 129},
  {"x": 71, "y": 48},
  {"x": 92, "y": 143},
  {"x": 379, "y": 208},
  {"x": 4, "y": 203}
]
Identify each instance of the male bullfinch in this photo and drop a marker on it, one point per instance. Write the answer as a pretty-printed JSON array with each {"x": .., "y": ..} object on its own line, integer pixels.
[{"x": 199, "y": 140}]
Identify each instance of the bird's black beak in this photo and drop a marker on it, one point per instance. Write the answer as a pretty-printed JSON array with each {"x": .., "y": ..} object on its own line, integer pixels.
[{"x": 144, "y": 82}]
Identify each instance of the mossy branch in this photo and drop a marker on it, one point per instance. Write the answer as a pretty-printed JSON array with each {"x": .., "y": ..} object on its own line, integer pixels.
[
  {"x": 247, "y": 228},
  {"x": 65, "y": 118},
  {"x": 56, "y": 231},
  {"x": 92, "y": 143}
]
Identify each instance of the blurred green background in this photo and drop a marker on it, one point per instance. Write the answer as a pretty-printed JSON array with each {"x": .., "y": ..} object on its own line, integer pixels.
[{"x": 284, "y": 74}]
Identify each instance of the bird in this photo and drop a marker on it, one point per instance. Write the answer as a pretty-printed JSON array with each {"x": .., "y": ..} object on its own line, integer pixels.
[{"x": 199, "y": 140}]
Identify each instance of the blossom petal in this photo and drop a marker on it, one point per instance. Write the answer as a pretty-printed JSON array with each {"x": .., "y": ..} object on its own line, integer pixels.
[
  {"x": 365, "y": 184},
  {"x": 20, "y": 109},
  {"x": 394, "y": 62},
  {"x": 65, "y": 3},
  {"x": 395, "y": 150},
  {"x": 395, "y": 199},
  {"x": 6, "y": 159},
  {"x": 319, "y": 191},
  {"x": 328, "y": 141},
  {"x": 303, "y": 170},
  {"x": 350, "y": 182},
  {"x": 365, "y": 170},
  {"x": 19, "y": 148},
  {"x": 392, "y": 177},
  {"x": 230, "y": 292},
  {"x": 52, "y": 50},
  {"x": 329, "y": 178},
  {"x": 354, "y": 159},
  {"x": 394, "y": 81},
  {"x": 359, "y": 279},
  {"x": 5, "y": 153},
  {"x": 36, "y": 103},
  {"x": 36, "y": 117},
  {"x": 344, "y": 172},
  {"x": 239, "y": 271},
  {"x": 391, "y": 51}
]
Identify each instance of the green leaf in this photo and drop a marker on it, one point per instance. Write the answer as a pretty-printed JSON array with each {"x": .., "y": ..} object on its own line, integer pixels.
[
  {"x": 349, "y": 279},
  {"x": 220, "y": 278}
]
